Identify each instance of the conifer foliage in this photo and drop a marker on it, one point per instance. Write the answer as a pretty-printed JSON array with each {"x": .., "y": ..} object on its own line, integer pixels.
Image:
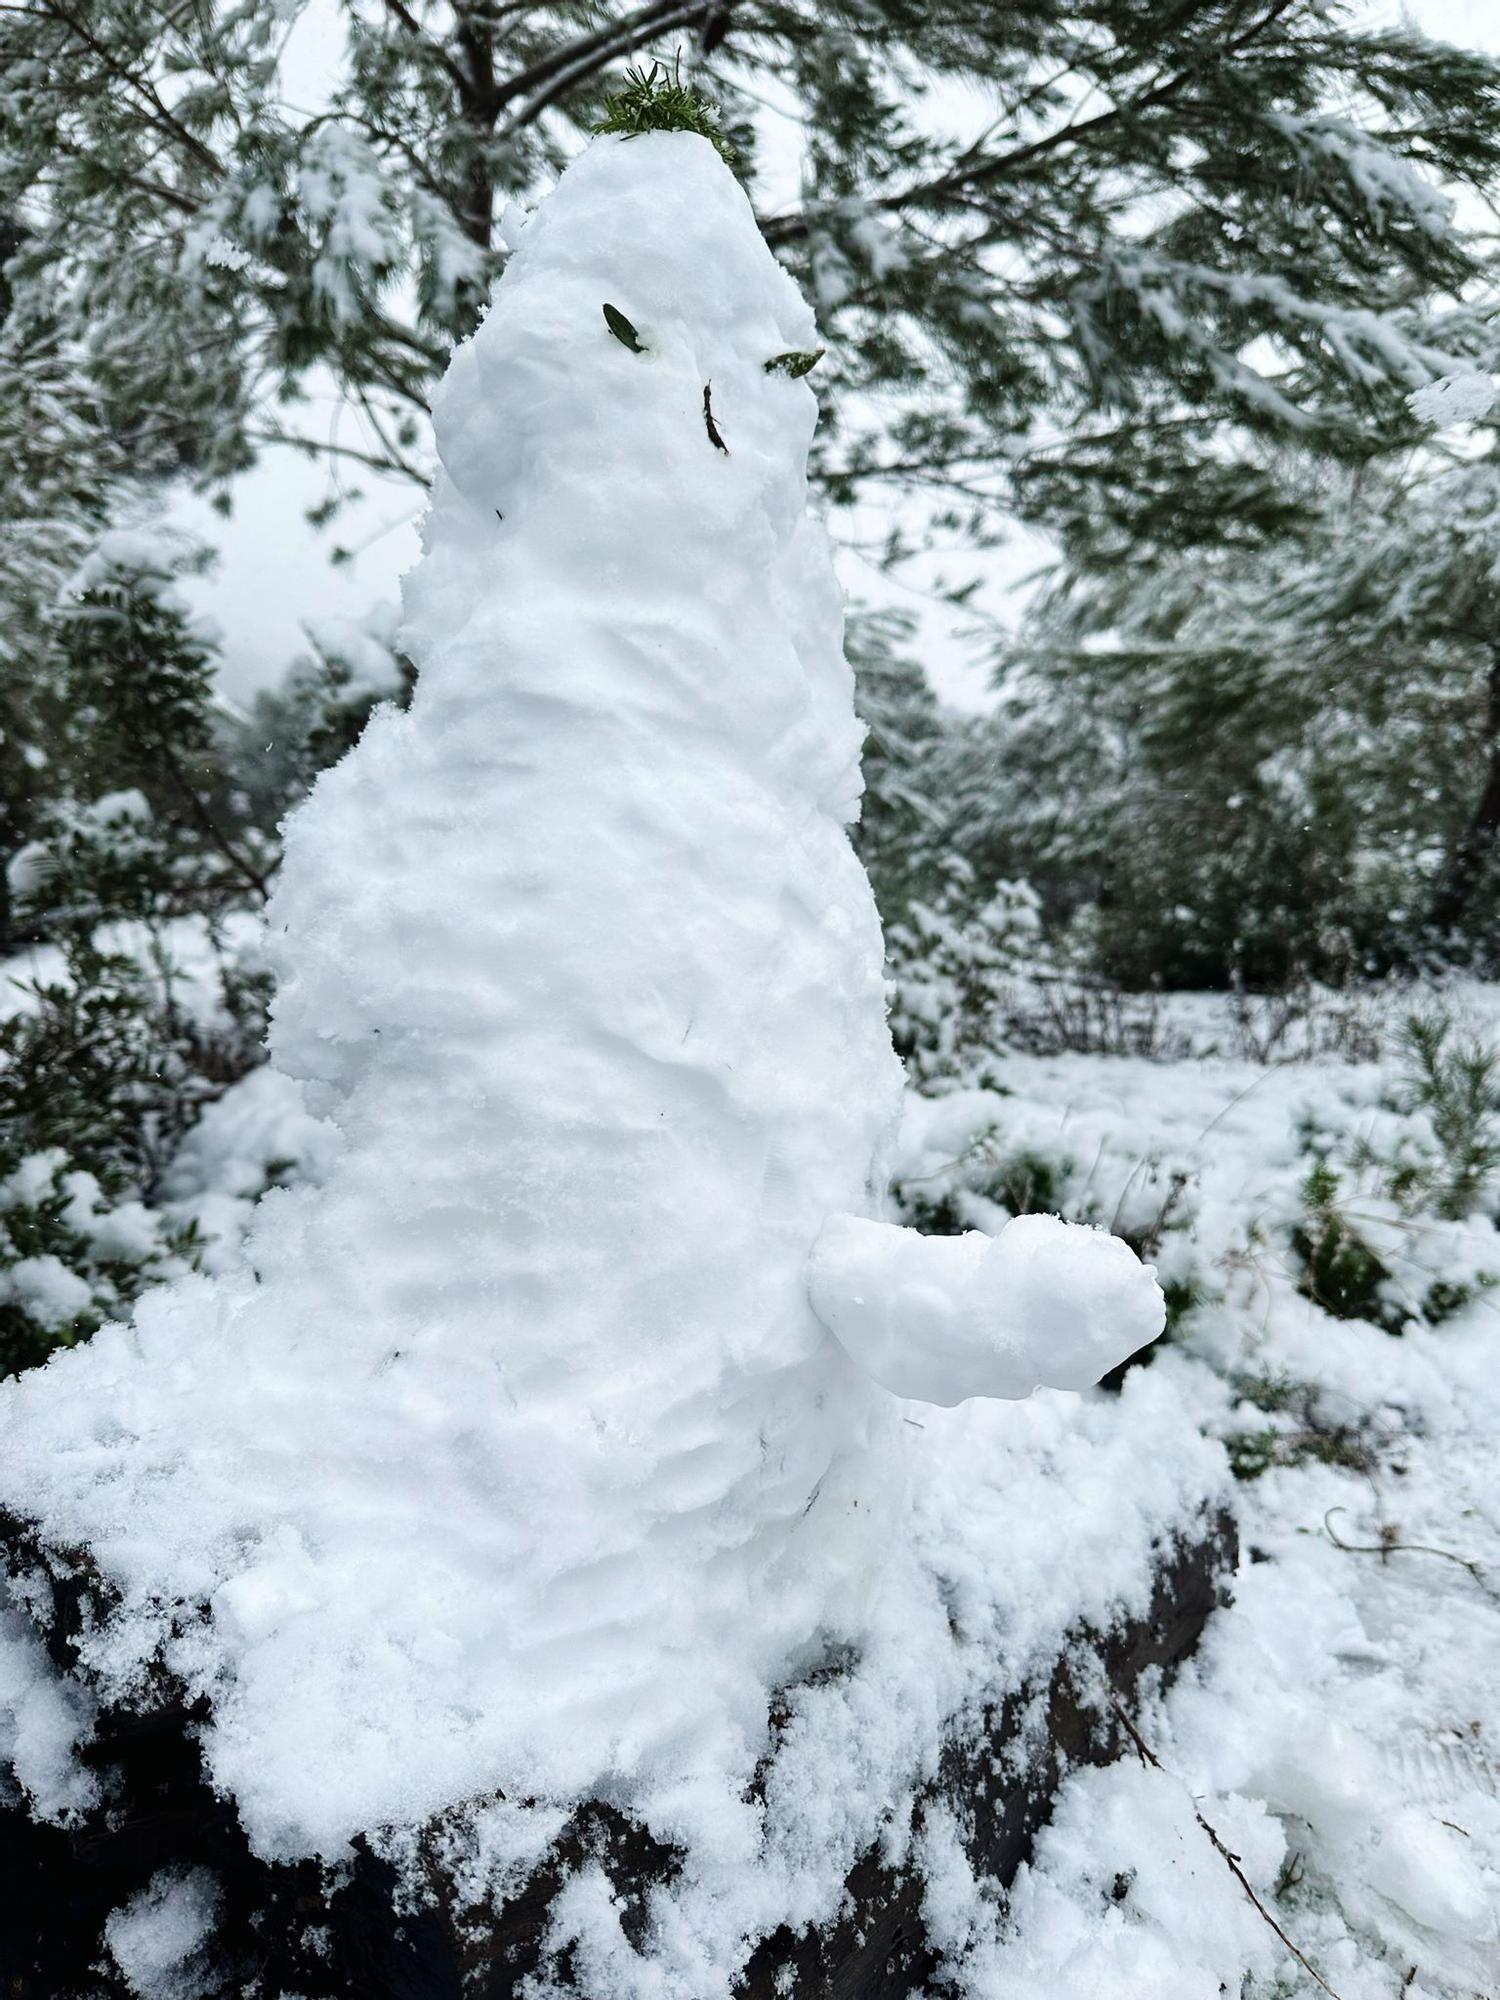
[
  {"x": 1279, "y": 758},
  {"x": 1147, "y": 198},
  {"x": 142, "y": 828}
]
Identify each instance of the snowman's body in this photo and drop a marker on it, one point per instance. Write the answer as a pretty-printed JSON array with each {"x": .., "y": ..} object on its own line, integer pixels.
[
  {"x": 518, "y": 1458},
  {"x": 624, "y": 1009}
]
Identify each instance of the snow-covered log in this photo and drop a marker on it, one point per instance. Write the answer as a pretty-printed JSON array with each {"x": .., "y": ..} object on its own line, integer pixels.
[{"x": 158, "y": 1864}]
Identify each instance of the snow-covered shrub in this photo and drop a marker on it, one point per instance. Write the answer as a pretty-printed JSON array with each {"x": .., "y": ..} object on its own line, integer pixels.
[
  {"x": 953, "y": 965},
  {"x": 106, "y": 1062},
  {"x": 316, "y": 712},
  {"x": 1068, "y": 1009},
  {"x": 1454, "y": 1082},
  {"x": 149, "y": 827},
  {"x": 72, "y": 1255},
  {"x": 1392, "y": 1203},
  {"x": 133, "y": 815},
  {"x": 1281, "y": 1421},
  {"x": 1304, "y": 1020},
  {"x": 1340, "y": 1271}
]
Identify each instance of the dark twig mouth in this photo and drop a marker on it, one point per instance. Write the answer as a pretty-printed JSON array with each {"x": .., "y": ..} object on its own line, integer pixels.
[{"x": 708, "y": 420}]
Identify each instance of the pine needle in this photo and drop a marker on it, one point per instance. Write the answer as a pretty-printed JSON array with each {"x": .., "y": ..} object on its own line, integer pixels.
[{"x": 657, "y": 100}]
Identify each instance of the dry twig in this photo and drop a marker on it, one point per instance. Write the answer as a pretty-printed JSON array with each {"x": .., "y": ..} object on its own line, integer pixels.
[
  {"x": 1231, "y": 1861},
  {"x": 1390, "y": 1544}
]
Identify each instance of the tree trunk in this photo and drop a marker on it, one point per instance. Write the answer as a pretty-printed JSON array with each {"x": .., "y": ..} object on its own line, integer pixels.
[{"x": 1473, "y": 862}]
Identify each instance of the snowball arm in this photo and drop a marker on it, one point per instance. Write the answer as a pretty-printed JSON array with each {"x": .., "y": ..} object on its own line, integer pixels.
[{"x": 1045, "y": 1304}]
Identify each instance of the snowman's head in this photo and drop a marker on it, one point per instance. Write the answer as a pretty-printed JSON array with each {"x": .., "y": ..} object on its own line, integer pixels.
[
  {"x": 635, "y": 384},
  {"x": 621, "y": 520}
]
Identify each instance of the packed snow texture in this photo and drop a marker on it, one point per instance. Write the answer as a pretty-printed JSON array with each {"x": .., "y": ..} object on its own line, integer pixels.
[
  {"x": 942, "y": 1318},
  {"x": 512, "y": 1456}
]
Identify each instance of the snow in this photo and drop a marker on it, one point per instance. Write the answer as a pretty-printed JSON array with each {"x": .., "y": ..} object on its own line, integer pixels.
[
  {"x": 362, "y": 650},
  {"x": 1187, "y": 1934},
  {"x": 259, "y": 1133},
  {"x": 157, "y": 1939},
  {"x": 108, "y": 820},
  {"x": 43, "y": 1719},
  {"x": 342, "y": 193},
  {"x": 943, "y": 1318},
  {"x": 1465, "y": 398},
  {"x": 46, "y": 1289},
  {"x": 1337, "y": 1727},
  {"x": 511, "y": 1457}
]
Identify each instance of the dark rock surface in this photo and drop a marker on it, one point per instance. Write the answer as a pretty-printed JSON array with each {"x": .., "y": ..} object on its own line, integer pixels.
[{"x": 353, "y": 1936}]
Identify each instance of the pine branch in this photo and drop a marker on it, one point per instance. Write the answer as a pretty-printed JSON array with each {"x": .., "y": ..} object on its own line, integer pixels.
[
  {"x": 157, "y": 113},
  {"x": 625, "y": 33},
  {"x": 207, "y": 824},
  {"x": 414, "y": 28},
  {"x": 979, "y": 171},
  {"x": 626, "y": 37}
]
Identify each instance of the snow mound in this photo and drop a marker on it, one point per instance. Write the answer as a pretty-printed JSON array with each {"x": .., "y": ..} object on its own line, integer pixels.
[
  {"x": 512, "y": 1457},
  {"x": 578, "y": 959}
]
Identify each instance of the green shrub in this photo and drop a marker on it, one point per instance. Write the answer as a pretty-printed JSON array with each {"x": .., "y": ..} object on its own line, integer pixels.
[{"x": 1340, "y": 1272}]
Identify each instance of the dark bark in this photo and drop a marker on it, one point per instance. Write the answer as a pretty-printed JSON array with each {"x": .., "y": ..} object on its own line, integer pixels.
[
  {"x": 350, "y": 1938},
  {"x": 1474, "y": 863}
]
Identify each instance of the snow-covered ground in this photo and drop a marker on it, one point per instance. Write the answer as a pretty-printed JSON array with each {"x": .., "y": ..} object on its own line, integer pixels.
[
  {"x": 438, "y": 1569},
  {"x": 1340, "y": 1731}
]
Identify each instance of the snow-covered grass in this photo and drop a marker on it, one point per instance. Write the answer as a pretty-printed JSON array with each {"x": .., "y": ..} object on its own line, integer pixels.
[{"x": 1340, "y": 1730}]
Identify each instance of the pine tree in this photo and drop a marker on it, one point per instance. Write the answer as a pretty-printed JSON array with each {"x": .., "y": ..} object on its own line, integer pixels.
[
  {"x": 898, "y": 835},
  {"x": 1281, "y": 756},
  {"x": 1167, "y": 232},
  {"x": 101, "y": 1074},
  {"x": 138, "y": 821}
]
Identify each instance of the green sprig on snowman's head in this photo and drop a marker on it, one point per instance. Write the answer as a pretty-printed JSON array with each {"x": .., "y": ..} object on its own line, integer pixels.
[{"x": 657, "y": 100}]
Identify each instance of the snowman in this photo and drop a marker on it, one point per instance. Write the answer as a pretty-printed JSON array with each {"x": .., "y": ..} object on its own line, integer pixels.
[{"x": 563, "y": 1419}]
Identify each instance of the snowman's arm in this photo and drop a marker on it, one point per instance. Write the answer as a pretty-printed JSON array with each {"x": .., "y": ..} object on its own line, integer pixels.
[{"x": 942, "y": 1318}]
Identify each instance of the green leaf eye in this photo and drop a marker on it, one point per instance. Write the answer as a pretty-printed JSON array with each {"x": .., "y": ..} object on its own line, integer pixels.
[
  {"x": 622, "y": 330},
  {"x": 795, "y": 362}
]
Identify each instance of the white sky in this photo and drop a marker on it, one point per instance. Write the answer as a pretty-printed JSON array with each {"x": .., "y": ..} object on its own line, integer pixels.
[{"x": 274, "y": 570}]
